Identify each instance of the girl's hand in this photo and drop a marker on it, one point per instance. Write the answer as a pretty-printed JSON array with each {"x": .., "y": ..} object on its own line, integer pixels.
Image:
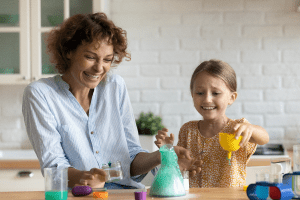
[
  {"x": 185, "y": 161},
  {"x": 244, "y": 129},
  {"x": 95, "y": 178},
  {"x": 162, "y": 138}
]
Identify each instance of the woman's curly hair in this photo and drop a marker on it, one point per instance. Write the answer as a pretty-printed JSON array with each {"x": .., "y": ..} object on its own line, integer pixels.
[{"x": 84, "y": 28}]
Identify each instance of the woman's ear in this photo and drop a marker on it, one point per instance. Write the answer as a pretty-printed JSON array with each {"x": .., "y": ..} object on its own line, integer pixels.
[
  {"x": 232, "y": 97},
  {"x": 68, "y": 55}
]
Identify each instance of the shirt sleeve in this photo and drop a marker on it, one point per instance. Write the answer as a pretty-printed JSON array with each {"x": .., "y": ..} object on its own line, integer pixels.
[
  {"x": 130, "y": 129},
  {"x": 182, "y": 137},
  {"x": 41, "y": 129}
]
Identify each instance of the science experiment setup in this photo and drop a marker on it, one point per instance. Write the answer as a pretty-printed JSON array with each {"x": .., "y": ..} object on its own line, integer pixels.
[
  {"x": 229, "y": 143},
  {"x": 280, "y": 186},
  {"x": 168, "y": 181}
]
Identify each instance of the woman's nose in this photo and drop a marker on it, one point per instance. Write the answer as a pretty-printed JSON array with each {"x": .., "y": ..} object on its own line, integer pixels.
[{"x": 99, "y": 66}]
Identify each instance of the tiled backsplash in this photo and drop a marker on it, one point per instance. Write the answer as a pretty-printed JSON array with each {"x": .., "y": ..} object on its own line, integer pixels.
[{"x": 168, "y": 39}]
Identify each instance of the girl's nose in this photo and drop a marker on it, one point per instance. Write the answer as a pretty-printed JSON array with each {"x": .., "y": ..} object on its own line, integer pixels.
[{"x": 208, "y": 98}]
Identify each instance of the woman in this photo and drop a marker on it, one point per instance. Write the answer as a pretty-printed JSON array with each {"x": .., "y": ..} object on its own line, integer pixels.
[{"x": 83, "y": 119}]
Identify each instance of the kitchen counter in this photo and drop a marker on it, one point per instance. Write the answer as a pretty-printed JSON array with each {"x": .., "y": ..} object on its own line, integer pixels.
[
  {"x": 194, "y": 193},
  {"x": 21, "y": 154},
  {"x": 18, "y": 159},
  {"x": 265, "y": 160},
  {"x": 26, "y": 159}
]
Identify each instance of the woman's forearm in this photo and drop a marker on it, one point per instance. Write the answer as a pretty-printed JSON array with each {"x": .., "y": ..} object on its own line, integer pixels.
[{"x": 144, "y": 162}]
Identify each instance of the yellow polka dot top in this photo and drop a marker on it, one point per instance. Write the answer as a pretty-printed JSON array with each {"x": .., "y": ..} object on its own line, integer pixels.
[{"x": 215, "y": 170}]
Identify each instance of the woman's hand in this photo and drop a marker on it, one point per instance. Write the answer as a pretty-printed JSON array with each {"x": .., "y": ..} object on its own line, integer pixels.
[
  {"x": 244, "y": 129},
  {"x": 186, "y": 162},
  {"x": 95, "y": 178},
  {"x": 162, "y": 138}
]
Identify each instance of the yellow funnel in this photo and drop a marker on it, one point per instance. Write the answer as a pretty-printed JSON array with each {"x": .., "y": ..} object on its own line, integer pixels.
[{"x": 229, "y": 143}]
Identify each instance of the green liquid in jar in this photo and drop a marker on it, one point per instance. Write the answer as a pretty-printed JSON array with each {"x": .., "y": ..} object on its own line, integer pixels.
[{"x": 56, "y": 195}]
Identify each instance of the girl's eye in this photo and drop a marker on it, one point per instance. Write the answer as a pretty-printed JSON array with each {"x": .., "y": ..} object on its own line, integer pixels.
[
  {"x": 216, "y": 93},
  {"x": 200, "y": 93}
]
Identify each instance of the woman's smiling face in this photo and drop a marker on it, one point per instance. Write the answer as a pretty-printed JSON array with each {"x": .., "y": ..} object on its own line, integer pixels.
[
  {"x": 211, "y": 96},
  {"x": 89, "y": 64}
]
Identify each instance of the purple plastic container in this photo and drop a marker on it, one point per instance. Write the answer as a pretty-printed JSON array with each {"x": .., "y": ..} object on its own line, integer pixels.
[
  {"x": 140, "y": 195},
  {"x": 81, "y": 190}
]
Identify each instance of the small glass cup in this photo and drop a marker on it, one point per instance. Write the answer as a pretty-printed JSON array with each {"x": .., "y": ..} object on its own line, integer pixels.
[
  {"x": 284, "y": 163},
  {"x": 296, "y": 158},
  {"x": 186, "y": 183},
  {"x": 113, "y": 171},
  {"x": 56, "y": 183},
  {"x": 262, "y": 177},
  {"x": 262, "y": 192},
  {"x": 116, "y": 173},
  {"x": 296, "y": 185},
  {"x": 276, "y": 178}
]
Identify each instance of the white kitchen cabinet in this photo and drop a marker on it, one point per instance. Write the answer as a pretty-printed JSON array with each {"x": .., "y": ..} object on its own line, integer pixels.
[
  {"x": 23, "y": 23},
  {"x": 10, "y": 181},
  {"x": 14, "y": 161}
]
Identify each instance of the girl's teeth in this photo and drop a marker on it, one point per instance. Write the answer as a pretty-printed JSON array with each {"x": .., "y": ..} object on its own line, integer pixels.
[{"x": 208, "y": 108}]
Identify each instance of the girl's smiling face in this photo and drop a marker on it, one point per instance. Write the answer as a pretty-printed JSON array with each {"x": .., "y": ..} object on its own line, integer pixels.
[
  {"x": 89, "y": 64},
  {"x": 211, "y": 96}
]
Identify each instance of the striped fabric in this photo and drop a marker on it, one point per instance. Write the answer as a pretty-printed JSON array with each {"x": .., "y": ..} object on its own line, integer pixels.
[{"x": 63, "y": 135}]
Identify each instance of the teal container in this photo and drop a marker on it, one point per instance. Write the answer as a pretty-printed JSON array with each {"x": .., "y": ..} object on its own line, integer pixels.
[
  {"x": 56, "y": 183},
  {"x": 168, "y": 181},
  {"x": 56, "y": 195}
]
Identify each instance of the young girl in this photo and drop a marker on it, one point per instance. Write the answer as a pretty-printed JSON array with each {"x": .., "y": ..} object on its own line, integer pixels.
[{"x": 213, "y": 88}]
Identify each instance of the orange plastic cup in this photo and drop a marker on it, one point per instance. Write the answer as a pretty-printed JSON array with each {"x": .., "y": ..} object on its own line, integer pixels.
[{"x": 101, "y": 195}]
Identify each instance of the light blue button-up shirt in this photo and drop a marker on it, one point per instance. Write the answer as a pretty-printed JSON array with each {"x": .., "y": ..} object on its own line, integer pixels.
[{"x": 63, "y": 135}]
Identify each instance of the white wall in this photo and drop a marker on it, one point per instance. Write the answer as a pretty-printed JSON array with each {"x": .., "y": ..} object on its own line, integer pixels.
[
  {"x": 260, "y": 39},
  {"x": 168, "y": 39}
]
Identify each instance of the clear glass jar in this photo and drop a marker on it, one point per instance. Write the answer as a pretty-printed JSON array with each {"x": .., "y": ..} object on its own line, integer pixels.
[
  {"x": 113, "y": 171},
  {"x": 116, "y": 171}
]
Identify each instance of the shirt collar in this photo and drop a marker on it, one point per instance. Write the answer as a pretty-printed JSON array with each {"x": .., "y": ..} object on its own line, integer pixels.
[
  {"x": 64, "y": 85},
  {"x": 61, "y": 83}
]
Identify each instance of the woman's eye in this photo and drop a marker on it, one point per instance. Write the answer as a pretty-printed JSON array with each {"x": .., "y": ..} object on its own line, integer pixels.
[
  {"x": 200, "y": 93},
  {"x": 90, "y": 57},
  {"x": 108, "y": 60},
  {"x": 216, "y": 93}
]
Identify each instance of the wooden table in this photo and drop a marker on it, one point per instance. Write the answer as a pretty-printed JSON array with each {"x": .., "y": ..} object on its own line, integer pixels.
[{"x": 194, "y": 193}]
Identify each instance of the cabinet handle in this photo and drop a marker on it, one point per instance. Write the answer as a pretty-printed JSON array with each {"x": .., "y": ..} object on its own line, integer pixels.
[
  {"x": 34, "y": 78},
  {"x": 25, "y": 174},
  {"x": 24, "y": 78}
]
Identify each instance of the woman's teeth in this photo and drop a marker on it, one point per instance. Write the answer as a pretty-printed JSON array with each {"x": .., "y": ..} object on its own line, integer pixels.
[
  {"x": 92, "y": 76},
  {"x": 208, "y": 108}
]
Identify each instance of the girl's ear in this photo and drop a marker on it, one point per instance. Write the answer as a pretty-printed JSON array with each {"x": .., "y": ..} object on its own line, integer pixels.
[{"x": 232, "y": 97}]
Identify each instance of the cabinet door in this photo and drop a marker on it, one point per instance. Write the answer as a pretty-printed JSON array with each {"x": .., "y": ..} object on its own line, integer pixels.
[
  {"x": 10, "y": 181},
  {"x": 46, "y": 15},
  {"x": 14, "y": 42}
]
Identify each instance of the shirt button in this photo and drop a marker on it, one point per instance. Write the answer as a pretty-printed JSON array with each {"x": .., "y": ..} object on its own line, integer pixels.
[
  {"x": 97, "y": 151},
  {"x": 92, "y": 132}
]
